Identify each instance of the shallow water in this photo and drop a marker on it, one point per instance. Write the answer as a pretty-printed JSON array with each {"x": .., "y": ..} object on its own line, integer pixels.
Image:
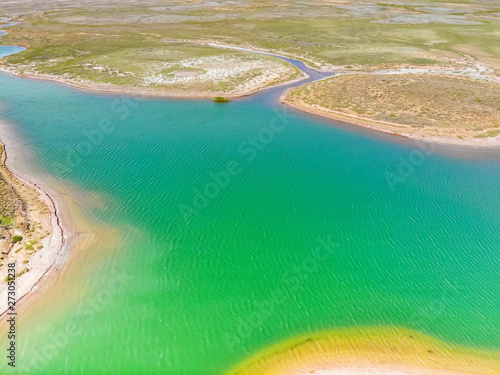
[
  {"x": 9, "y": 50},
  {"x": 316, "y": 227}
]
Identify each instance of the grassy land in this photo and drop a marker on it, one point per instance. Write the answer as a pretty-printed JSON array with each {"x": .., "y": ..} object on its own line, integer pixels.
[
  {"x": 371, "y": 35},
  {"x": 131, "y": 56},
  {"x": 424, "y": 104}
]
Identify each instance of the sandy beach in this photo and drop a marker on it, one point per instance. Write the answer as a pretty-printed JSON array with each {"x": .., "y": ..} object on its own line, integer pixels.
[
  {"x": 54, "y": 245},
  {"x": 387, "y": 128}
]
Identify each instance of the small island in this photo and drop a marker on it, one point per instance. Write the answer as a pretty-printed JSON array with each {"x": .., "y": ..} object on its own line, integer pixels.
[{"x": 221, "y": 99}]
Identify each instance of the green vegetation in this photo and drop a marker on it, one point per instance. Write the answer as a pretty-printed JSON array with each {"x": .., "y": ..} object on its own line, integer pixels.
[
  {"x": 5, "y": 220},
  {"x": 372, "y": 35},
  {"x": 17, "y": 239},
  {"x": 489, "y": 134},
  {"x": 22, "y": 272},
  {"x": 221, "y": 99},
  {"x": 132, "y": 56},
  {"x": 10, "y": 201}
]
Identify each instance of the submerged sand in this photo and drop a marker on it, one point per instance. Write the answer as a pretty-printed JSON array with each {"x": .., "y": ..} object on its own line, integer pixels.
[{"x": 374, "y": 351}]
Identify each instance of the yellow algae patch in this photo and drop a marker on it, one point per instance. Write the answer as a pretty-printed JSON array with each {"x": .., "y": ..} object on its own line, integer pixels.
[{"x": 380, "y": 350}]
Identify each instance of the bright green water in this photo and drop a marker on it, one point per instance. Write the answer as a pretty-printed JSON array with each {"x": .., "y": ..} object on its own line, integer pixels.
[{"x": 248, "y": 270}]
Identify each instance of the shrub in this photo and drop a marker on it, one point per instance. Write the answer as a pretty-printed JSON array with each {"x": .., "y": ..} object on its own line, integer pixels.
[
  {"x": 17, "y": 239},
  {"x": 4, "y": 220},
  {"x": 221, "y": 99}
]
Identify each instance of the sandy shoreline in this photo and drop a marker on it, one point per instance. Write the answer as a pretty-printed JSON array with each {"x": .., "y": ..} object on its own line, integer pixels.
[
  {"x": 368, "y": 124},
  {"x": 56, "y": 244},
  {"x": 370, "y": 370},
  {"x": 58, "y": 241}
]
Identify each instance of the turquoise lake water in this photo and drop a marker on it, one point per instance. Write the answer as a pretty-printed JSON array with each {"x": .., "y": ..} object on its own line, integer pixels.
[
  {"x": 9, "y": 50},
  {"x": 244, "y": 226}
]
